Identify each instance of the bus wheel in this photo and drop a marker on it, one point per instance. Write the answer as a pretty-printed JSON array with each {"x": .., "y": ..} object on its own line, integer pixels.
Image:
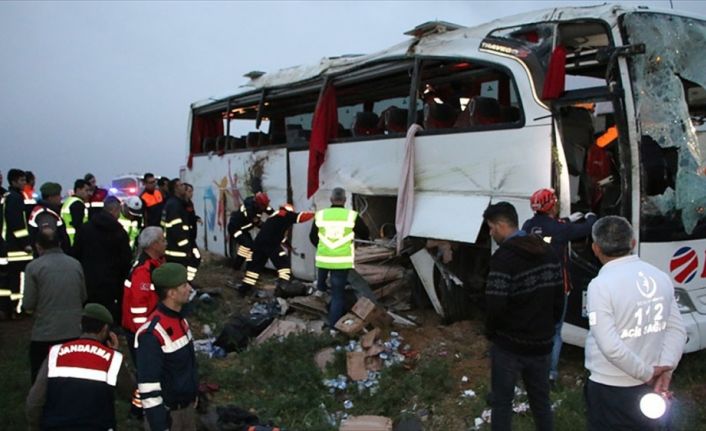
[{"x": 454, "y": 299}]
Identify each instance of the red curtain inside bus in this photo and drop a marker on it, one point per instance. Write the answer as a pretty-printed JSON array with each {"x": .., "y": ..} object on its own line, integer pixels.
[
  {"x": 203, "y": 127},
  {"x": 324, "y": 127}
]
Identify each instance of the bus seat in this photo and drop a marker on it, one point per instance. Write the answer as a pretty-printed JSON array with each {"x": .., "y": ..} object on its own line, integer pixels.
[
  {"x": 395, "y": 120},
  {"x": 366, "y": 123},
  {"x": 439, "y": 116},
  {"x": 480, "y": 111},
  {"x": 208, "y": 145},
  {"x": 256, "y": 139},
  {"x": 509, "y": 114}
]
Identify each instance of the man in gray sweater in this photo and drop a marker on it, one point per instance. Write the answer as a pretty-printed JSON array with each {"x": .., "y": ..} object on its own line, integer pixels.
[
  {"x": 55, "y": 291},
  {"x": 636, "y": 335}
]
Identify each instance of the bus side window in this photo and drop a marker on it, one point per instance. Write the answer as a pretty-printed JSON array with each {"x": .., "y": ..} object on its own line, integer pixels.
[{"x": 460, "y": 95}]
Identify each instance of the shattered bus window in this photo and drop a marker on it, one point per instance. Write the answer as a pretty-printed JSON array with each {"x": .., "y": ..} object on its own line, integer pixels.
[{"x": 667, "y": 82}]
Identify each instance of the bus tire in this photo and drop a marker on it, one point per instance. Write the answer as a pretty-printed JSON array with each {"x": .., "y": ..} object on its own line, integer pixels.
[{"x": 454, "y": 299}]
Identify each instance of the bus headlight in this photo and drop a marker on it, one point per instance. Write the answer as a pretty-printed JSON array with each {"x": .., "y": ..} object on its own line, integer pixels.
[
  {"x": 653, "y": 405},
  {"x": 683, "y": 301}
]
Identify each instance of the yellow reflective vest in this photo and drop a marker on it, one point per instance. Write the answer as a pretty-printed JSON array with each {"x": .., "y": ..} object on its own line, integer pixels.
[
  {"x": 335, "y": 249},
  {"x": 68, "y": 219}
]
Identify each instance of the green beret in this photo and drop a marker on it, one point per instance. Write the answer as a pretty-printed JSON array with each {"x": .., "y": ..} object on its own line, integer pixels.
[
  {"x": 169, "y": 275},
  {"x": 98, "y": 312},
  {"x": 50, "y": 189}
]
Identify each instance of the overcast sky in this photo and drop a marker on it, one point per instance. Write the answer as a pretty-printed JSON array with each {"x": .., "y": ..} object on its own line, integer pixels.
[{"x": 105, "y": 87}]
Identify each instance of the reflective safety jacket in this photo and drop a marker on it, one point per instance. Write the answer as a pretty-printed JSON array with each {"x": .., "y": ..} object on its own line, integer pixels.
[
  {"x": 29, "y": 199},
  {"x": 132, "y": 228},
  {"x": 82, "y": 375},
  {"x": 273, "y": 231},
  {"x": 74, "y": 212},
  {"x": 153, "y": 204},
  {"x": 42, "y": 215},
  {"x": 15, "y": 230},
  {"x": 139, "y": 296},
  {"x": 167, "y": 376},
  {"x": 175, "y": 222},
  {"x": 335, "y": 249}
]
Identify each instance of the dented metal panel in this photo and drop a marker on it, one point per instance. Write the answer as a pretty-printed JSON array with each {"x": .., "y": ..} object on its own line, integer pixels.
[
  {"x": 222, "y": 182},
  {"x": 454, "y": 174},
  {"x": 303, "y": 251}
]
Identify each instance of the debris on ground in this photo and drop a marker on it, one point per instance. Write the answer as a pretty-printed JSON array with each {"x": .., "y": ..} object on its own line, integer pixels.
[{"x": 366, "y": 423}]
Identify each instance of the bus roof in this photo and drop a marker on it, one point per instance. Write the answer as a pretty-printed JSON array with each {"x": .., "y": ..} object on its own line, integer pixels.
[{"x": 456, "y": 41}]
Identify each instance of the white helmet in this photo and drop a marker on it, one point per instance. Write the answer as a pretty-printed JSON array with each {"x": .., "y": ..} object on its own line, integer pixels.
[{"x": 134, "y": 206}]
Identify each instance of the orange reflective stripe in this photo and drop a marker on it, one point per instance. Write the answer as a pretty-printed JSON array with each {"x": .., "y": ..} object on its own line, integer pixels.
[
  {"x": 152, "y": 199},
  {"x": 606, "y": 138}
]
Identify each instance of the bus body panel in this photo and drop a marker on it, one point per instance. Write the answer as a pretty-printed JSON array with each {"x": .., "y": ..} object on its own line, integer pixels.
[{"x": 222, "y": 182}]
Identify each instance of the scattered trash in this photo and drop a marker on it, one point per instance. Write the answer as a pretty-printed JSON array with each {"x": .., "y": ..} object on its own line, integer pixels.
[
  {"x": 348, "y": 404},
  {"x": 207, "y": 347},
  {"x": 468, "y": 393},
  {"x": 520, "y": 407},
  {"x": 464, "y": 379},
  {"x": 206, "y": 330},
  {"x": 366, "y": 423},
  {"x": 486, "y": 416}
]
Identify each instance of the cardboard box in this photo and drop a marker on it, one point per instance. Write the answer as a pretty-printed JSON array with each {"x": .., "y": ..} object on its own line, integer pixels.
[
  {"x": 368, "y": 339},
  {"x": 355, "y": 365},
  {"x": 366, "y": 423},
  {"x": 371, "y": 313},
  {"x": 350, "y": 324},
  {"x": 373, "y": 363}
]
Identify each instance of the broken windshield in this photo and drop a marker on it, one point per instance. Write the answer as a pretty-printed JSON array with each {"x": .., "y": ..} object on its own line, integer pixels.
[{"x": 667, "y": 83}]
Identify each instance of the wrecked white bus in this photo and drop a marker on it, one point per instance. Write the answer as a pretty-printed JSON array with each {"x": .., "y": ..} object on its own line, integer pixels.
[{"x": 603, "y": 104}]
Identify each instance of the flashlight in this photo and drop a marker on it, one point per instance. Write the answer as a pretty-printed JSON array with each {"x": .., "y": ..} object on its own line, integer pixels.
[{"x": 653, "y": 405}]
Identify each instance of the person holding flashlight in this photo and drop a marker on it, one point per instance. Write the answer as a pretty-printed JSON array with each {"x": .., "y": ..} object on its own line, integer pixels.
[{"x": 636, "y": 336}]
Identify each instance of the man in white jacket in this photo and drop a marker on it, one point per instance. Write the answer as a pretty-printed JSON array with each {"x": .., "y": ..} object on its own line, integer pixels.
[{"x": 636, "y": 335}]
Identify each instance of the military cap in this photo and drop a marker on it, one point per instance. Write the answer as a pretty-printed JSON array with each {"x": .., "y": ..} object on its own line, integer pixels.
[
  {"x": 50, "y": 189},
  {"x": 98, "y": 312},
  {"x": 169, "y": 275}
]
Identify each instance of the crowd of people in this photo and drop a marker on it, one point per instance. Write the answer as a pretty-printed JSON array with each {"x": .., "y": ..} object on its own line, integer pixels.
[
  {"x": 636, "y": 334},
  {"x": 93, "y": 263},
  {"x": 89, "y": 265}
]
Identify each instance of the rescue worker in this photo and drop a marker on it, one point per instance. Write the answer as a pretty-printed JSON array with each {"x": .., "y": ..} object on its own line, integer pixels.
[
  {"x": 192, "y": 220},
  {"x": 332, "y": 233},
  {"x": 30, "y": 198},
  {"x": 139, "y": 296},
  {"x": 270, "y": 244},
  {"x": 166, "y": 375},
  {"x": 241, "y": 223},
  {"x": 74, "y": 210},
  {"x": 131, "y": 219},
  {"x": 558, "y": 233},
  {"x": 175, "y": 221},
  {"x": 17, "y": 245},
  {"x": 75, "y": 386},
  {"x": 98, "y": 195},
  {"x": 152, "y": 201},
  {"x": 46, "y": 213}
]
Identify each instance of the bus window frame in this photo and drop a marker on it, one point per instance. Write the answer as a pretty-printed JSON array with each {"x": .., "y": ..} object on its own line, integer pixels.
[{"x": 415, "y": 83}]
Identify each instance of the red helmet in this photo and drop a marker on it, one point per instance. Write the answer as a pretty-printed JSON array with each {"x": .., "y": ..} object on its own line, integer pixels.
[
  {"x": 262, "y": 200},
  {"x": 543, "y": 200}
]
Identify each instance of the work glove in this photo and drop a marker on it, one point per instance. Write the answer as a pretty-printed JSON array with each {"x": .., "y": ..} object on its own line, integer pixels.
[{"x": 578, "y": 215}]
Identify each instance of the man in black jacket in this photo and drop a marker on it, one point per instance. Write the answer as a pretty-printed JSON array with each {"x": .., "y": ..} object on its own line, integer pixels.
[
  {"x": 103, "y": 248},
  {"x": 524, "y": 299}
]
